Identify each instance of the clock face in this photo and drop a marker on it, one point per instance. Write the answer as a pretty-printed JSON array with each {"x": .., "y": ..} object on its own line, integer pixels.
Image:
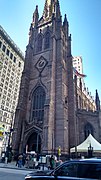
[{"x": 40, "y": 65}]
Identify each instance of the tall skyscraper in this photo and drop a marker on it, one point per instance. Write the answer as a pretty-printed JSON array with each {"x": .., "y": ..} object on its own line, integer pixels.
[{"x": 11, "y": 67}]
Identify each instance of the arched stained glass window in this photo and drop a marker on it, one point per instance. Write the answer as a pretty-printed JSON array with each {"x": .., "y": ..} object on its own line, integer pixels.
[
  {"x": 38, "y": 102},
  {"x": 39, "y": 43},
  {"x": 88, "y": 130},
  {"x": 47, "y": 40}
]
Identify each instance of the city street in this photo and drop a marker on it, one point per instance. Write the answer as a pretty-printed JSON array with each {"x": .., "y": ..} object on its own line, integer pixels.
[{"x": 12, "y": 174}]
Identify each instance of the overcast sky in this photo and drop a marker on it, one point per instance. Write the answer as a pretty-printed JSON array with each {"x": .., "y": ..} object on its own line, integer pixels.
[{"x": 84, "y": 18}]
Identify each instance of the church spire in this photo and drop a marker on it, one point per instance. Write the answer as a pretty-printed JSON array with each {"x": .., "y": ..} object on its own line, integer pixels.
[
  {"x": 35, "y": 17},
  {"x": 51, "y": 7},
  {"x": 66, "y": 25},
  {"x": 97, "y": 101}
]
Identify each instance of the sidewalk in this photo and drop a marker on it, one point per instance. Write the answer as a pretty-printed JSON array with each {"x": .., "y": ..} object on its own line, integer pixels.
[{"x": 12, "y": 165}]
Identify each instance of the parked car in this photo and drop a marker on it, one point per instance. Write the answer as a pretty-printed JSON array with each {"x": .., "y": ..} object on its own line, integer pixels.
[{"x": 73, "y": 169}]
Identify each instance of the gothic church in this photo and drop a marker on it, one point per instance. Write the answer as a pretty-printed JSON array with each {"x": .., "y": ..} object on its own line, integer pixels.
[{"x": 45, "y": 117}]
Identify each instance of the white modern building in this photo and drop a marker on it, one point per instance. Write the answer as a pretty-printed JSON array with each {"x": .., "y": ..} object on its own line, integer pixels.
[
  {"x": 86, "y": 94},
  {"x": 78, "y": 65},
  {"x": 11, "y": 67}
]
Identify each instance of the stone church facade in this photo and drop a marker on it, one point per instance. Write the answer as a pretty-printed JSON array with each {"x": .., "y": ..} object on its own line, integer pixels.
[{"x": 46, "y": 115}]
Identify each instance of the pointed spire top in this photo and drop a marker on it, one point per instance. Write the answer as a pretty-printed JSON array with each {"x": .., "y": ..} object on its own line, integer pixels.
[
  {"x": 65, "y": 20},
  {"x": 51, "y": 7},
  {"x": 97, "y": 101},
  {"x": 35, "y": 16},
  {"x": 66, "y": 25}
]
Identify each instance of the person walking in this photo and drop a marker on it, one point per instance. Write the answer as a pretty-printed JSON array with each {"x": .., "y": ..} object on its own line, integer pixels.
[
  {"x": 20, "y": 161},
  {"x": 52, "y": 162}
]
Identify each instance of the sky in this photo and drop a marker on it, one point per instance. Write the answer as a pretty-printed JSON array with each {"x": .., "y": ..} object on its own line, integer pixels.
[{"x": 84, "y": 18}]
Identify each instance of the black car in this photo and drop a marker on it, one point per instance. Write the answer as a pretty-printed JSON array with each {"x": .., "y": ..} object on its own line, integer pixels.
[{"x": 73, "y": 169}]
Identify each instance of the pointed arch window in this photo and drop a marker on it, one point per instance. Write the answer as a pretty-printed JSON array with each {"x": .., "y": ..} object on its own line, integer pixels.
[
  {"x": 88, "y": 130},
  {"x": 47, "y": 40},
  {"x": 39, "y": 43},
  {"x": 38, "y": 102}
]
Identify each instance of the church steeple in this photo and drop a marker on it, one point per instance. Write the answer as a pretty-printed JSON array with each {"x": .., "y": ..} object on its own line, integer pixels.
[
  {"x": 66, "y": 25},
  {"x": 35, "y": 17},
  {"x": 51, "y": 7},
  {"x": 97, "y": 101}
]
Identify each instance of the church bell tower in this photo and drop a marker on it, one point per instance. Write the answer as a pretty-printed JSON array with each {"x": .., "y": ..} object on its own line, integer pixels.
[{"x": 41, "y": 119}]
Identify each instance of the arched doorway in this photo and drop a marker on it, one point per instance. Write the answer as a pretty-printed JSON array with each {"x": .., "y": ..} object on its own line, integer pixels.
[
  {"x": 88, "y": 129},
  {"x": 34, "y": 143}
]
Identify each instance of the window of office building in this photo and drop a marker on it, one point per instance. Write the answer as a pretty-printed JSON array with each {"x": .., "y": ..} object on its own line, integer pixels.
[
  {"x": 4, "y": 97},
  {"x": 6, "y": 62},
  {"x": 4, "y": 119},
  {"x": 5, "y": 67},
  {"x": 9, "y": 94},
  {"x": 7, "y": 78},
  {"x": 9, "y": 70},
  {"x": 4, "y": 70},
  {"x": 0, "y": 44},
  {"x": 6, "y": 83},
  {"x": 4, "y": 48},
  {"x": 7, "y": 104},
  {"x": 14, "y": 59},
  {"x": 11, "y": 56},
  {"x": 8, "y": 74},
  {"x": 0, "y": 118},
  {"x": 10, "y": 85},
  {"x": 5, "y": 114},
  {"x": 5, "y": 87},
  {"x": 19, "y": 64},
  {"x": 13, "y": 107},
  {"x": 1, "y": 84},
  {"x": 3, "y": 102},
  {"x": 2, "y": 80},
  {"x": 9, "y": 90},
  {"x": 2, "y": 106},
  {"x": 5, "y": 92},
  {"x": 3, "y": 75},
  {"x": 8, "y": 99},
  {"x": 7, "y": 52}
]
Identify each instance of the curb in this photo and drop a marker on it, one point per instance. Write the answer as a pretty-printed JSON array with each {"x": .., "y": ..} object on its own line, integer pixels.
[{"x": 8, "y": 167}]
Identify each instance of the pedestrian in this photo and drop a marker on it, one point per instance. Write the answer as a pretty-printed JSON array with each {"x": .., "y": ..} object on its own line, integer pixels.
[
  {"x": 23, "y": 159},
  {"x": 16, "y": 159},
  {"x": 52, "y": 162},
  {"x": 20, "y": 161}
]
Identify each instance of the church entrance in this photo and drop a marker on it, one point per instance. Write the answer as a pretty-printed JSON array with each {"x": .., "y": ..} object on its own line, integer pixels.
[{"x": 34, "y": 143}]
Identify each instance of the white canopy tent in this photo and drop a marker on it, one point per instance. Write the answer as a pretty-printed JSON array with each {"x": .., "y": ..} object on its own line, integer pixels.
[{"x": 90, "y": 141}]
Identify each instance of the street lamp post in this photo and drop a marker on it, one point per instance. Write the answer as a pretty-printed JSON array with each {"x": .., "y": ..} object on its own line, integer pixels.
[
  {"x": 90, "y": 151},
  {"x": 8, "y": 149}
]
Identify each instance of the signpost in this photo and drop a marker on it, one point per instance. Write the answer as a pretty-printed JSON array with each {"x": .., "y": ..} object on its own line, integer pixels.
[
  {"x": 1, "y": 132},
  {"x": 59, "y": 152}
]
